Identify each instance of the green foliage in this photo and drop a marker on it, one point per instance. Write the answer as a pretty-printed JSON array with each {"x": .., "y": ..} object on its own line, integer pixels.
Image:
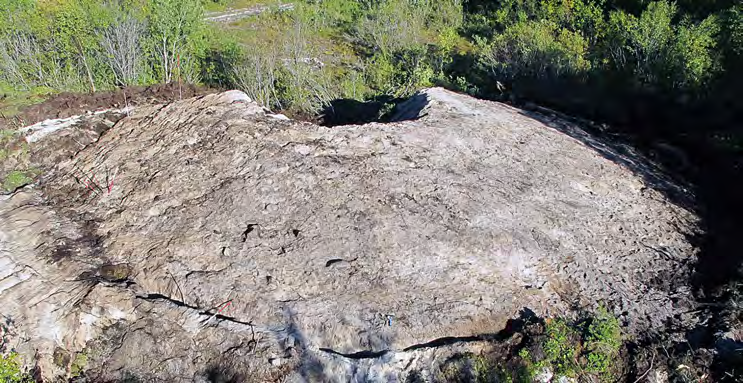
[
  {"x": 488, "y": 371},
  {"x": 78, "y": 365},
  {"x": 574, "y": 350},
  {"x": 90, "y": 44},
  {"x": 404, "y": 42},
  {"x": 16, "y": 179},
  {"x": 657, "y": 52},
  {"x": 392, "y": 26},
  {"x": 399, "y": 75},
  {"x": 542, "y": 41},
  {"x": 217, "y": 59},
  {"x": 10, "y": 370},
  {"x": 642, "y": 44},
  {"x": 586, "y": 350},
  {"x": 602, "y": 344},
  {"x": 366, "y": 48},
  {"x": 178, "y": 37},
  {"x": 561, "y": 347},
  {"x": 733, "y": 30},
  {"x": 302, "y": 60},
  {"x": 693, "y": 52},
  {"x": 536, "y": 49},
  {"x": 329, "y": 16}
]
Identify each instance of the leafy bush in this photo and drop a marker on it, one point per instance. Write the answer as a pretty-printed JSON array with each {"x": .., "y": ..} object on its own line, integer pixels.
[
  {"x": 656, "y": 52},
  {"x": 733, "y": 30},
  {"x": 586, "y": 349},
  {"x": 536, "y": 49},
  {"x": 90, "y": 44},
  {"x": 693, "y": 55},
  {"x": 602, "y": 344},
  {"x": 10, "y": 370},
  {"x": 177, "y": 38},
  {"x": 256, "y": 73},
  {"x": 561, "y": 347}
]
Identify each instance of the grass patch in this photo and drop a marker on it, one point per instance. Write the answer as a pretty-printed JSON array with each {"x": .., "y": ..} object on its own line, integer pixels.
[
  {"x": 12, "y": 100},
  {"x": 16, "y": 178}
]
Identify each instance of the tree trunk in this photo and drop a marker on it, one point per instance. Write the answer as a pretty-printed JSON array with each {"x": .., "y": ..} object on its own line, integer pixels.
[{"x": 85, "y": 64}]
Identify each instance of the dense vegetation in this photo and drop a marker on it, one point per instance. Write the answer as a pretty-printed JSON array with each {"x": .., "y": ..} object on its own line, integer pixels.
[
  {"x": 89, "y": 45},
  {"x": 330, "y": 49}
]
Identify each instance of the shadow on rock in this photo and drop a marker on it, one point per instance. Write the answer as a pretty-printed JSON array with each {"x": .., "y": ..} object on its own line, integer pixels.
[
  {"x": 293, "y": 342},
  {"x": 708, "y": 183},
  {"x": 223, "y": 373},
  {"x": 623, "y": 154},
  {"x": 354, "y": 112}
]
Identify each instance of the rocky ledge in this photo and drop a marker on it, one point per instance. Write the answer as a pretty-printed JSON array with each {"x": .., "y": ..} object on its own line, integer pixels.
[{"x": 208, "y": 236}]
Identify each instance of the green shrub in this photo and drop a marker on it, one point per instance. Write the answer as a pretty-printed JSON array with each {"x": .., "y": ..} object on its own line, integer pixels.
[
  {"x": 536, "y": 49},
  {"x": 733, "y": 30},
  {"x": 657, "y": 52},
  {"x": 642, "y": 45},
  {"x": 585, "y": 349},
  {"x": 561, "y": 347},
  {"x": 10, "y": 370},
  {"x": 256, "y": 74},
  {"x": 602, "y": 344},
  {"x": 692, "y": 53}
]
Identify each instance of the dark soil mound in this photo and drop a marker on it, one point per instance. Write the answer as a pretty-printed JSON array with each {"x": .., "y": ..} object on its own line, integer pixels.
[{"x": 69, "y": 104}]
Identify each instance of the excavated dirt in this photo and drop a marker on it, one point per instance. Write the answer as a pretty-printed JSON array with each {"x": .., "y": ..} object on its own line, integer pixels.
[
  {"x": 208, "y": 239},
  {"x": 68, "y": 104}
]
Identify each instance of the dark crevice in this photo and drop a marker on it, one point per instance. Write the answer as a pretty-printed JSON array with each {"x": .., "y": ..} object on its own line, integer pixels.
[
  {"x": 366, "y": 354},
  {"x": 248, "y": 230},
  {"x": 353, "y": 112},
  {"x": 512, "y": 327},
  {"x": 450, "y": 340},
  {"x": 207, "y": 313},
  {"x": 160, "y": 297},
  {"x": 333, "y": 261},
  {"x": 229, "y": 319},
  {"x": 438, "y": 342}
]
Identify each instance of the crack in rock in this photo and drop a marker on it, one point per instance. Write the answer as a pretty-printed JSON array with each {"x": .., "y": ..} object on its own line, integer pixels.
[
  {"x": 438, "y": 342},
  {"x": 200, "y": 311},
  {"x": 365, "y": 354}
]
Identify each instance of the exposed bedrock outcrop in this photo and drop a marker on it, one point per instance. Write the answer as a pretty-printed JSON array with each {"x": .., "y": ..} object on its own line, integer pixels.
[{"x": 208, "y": 236}]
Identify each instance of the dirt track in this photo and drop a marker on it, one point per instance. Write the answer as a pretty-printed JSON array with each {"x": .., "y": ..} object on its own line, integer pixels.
[{"x": 241, "y": 13}]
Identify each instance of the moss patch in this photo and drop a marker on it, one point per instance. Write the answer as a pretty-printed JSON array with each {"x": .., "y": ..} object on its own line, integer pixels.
[
  {"x": 78, "y": 365},
  {"x": 16, "y": 179},
  {"x": 115, "y": 273}
]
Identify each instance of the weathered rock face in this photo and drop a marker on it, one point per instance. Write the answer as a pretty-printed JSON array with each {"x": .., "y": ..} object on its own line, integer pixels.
[{"x": 209, "y": 238}]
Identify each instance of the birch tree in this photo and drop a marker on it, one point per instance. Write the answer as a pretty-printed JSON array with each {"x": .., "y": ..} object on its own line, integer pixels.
[
  {"x": 174, "y": 25},
  {"x": 121, "y": 43}
]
